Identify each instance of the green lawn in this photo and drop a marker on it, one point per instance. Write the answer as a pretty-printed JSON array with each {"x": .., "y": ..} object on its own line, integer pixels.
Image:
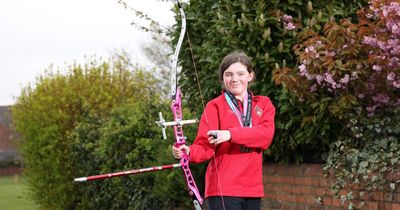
[{"x": 12, "y": 195}]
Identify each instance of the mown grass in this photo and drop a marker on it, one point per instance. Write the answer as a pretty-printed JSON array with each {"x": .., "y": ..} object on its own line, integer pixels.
[{"x": 12, "y": 194}]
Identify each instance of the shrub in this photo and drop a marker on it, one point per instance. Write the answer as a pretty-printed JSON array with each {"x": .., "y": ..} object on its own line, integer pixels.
[
  {"x": 365, "y": 158},
  {"x": 71, "y": 124},
  {"x": 352, "y": 70}
]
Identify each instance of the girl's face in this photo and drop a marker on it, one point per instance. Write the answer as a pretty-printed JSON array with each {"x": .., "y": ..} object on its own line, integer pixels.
[{"x": 236, "y": 79}]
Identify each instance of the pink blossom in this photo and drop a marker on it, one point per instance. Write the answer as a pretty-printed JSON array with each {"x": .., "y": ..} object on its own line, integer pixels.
[
  {"x": 396, "y": 84},
  {"x": 394, "y": 62},
  {"x": 309, "y": 76},
  {"x": 287, "y": 18},
  {"x": 290, "y": 26},
  {"x": 313, "y": 88},
  {"x": 311, "y": 49},
  {"x": 391, "y": 76},
  {"x": 302, "y": 68},
  {"x": 304, "y": 72},
  {"x": 329, "y": 79},
  {"x": 345, "y": 79},
  {"x": 381, "y": 57},
  {"x": 395, "y": 29},
  {"x": 377, "y": 67},
  {"x": 394, "y": 5},
  {"x": 370, "y": 41},
  {"x": 383, "y": 46},
  {"x": 384, "y": 12},
  {"x": 395, "y": 50},
  {"x": 381, "y": 98},
  {"x": 319, "y": 79},
  {"x": 288, "y": 22}
]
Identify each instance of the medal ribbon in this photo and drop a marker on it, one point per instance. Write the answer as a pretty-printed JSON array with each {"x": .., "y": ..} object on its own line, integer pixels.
[{"x": 244, "y": 120}]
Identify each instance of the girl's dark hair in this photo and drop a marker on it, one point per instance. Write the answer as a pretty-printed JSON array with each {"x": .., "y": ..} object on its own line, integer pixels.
[{"x": 234, "y": 57}]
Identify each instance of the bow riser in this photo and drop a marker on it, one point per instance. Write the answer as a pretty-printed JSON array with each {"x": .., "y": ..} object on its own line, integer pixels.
[
  {"x": 181, "y": 140},
  {"x": 176, "y": 108},
  {"x": 191, "y": 184}
]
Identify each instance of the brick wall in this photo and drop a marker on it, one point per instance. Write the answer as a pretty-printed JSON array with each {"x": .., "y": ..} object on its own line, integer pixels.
[
  {"x": 9, "y": 157},
  {"x": 6, "y": 134},
  {"x": 12, "y": 170},
  {"x": 297, "y": 187}
]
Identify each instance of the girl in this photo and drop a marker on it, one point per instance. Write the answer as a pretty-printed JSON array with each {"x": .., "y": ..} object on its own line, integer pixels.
[{"x": 234, "y": 130}]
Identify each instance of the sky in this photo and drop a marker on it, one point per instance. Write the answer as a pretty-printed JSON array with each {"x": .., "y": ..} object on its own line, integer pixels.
[{"x": 35, "y": 34}]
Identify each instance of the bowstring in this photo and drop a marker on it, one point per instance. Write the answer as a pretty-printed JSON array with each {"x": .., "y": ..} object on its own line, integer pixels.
[{"x": 204, "y": 108}]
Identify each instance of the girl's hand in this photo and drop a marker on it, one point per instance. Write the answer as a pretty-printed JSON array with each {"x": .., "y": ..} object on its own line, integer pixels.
[
  {"x": 178, "y": 152},
  {"x": 218, "y": 136}
]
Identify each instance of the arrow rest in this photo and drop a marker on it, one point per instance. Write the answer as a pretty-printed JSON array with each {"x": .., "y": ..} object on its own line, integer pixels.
[{"x": 179, "y": 123}]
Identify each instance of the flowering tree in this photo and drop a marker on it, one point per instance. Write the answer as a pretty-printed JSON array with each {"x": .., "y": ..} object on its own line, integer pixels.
[
  {"x": 356, "y": 63},
  {"x": 353, "y": 70}
]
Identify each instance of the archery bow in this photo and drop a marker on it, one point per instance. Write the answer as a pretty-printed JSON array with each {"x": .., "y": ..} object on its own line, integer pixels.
[
  {"x": 176, "y": 108},
  {"x": 178, "y": 131}
]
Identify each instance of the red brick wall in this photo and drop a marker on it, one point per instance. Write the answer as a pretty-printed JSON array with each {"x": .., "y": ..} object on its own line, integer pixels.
[
  {"x": 296, "y": 187},
  {"x": 12, "y": 170},
  {"x": 7, "y": 144},
  {"x": 5, "y": 141},
  {"x": 6, "y": 134}
]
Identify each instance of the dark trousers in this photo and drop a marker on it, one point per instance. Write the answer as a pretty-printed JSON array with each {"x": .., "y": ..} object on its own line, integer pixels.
[{"x": 233, "y": 203}]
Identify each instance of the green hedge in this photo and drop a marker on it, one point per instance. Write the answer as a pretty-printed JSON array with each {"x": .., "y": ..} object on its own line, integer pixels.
[
  {"x": 96, "y": 118},
  {"x": 216, "y": 28}
]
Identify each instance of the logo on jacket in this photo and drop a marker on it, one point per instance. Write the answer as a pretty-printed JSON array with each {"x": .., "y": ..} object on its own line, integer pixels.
[{"x": 258, "y": 111}]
